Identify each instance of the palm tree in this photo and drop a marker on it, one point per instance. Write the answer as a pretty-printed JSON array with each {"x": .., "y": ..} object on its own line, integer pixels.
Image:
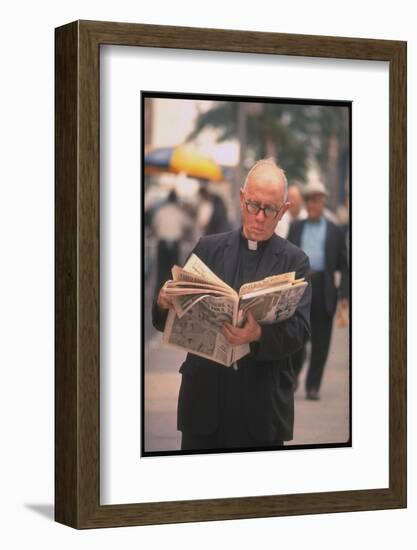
[
  {"x": 293, "y": 134},
  {"x": 272, "y": 129}
]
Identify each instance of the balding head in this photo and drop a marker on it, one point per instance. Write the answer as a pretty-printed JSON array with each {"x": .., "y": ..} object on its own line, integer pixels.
[
  {"x": 268, "y": 170},
  {"x": 296, "y": 200}
]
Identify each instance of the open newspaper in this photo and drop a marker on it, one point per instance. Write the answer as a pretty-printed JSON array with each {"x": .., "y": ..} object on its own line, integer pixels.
[{"x": 203, "y": 303}]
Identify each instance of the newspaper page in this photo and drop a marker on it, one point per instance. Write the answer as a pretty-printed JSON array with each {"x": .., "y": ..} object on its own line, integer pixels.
[
  {"x": 186, "y": 293},
  {"x": 180, "y": 275},
  {"x": 199, "y": 330},
  {"x": 268, "y": 282},
  {"x": 189, "y": 285},
  {"x": 240, "y": 351},
  {"x": 198, "y": 268},
  {"x": 275, "y": 306},
  {"x": 176, "y": 288},
  {"x": 183, "y": 302}
]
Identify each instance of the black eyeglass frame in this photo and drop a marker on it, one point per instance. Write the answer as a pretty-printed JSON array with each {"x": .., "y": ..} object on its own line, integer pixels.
[{"x": 264, "y": 209}]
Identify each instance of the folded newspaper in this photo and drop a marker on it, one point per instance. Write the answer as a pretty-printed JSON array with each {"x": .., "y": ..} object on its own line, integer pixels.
[{"x": 203, "y": 303}]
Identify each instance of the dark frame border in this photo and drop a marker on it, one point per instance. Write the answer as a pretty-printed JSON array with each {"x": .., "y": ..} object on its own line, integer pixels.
[{"x": 77, "y": 361}]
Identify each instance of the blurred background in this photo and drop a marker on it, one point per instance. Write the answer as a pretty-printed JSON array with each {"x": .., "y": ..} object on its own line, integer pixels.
[{"x": 197, "y": 153}]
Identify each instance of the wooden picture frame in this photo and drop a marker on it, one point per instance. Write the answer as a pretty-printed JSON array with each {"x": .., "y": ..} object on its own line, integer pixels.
[{"x": 77, "y": 364}]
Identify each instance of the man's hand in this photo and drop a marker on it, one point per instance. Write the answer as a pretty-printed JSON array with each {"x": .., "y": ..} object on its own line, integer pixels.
[
  {"x": 250, "y": 332},
  {"x": 164, "y": 300},
  {"x": 344, "y": 302},
  {"x": 342, "y": 317}
]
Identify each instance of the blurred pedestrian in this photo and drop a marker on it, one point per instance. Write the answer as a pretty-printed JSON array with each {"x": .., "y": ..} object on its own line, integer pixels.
[
  {"x": 324, "y": 244},
  {"x": 169, "y": 222},
  {"x": 212, "y": 213},
  {"x": 296, "y": 211}
]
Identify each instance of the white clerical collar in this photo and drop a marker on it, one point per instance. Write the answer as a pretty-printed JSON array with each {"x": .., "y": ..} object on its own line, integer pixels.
[{"x": 253, "y": 245}]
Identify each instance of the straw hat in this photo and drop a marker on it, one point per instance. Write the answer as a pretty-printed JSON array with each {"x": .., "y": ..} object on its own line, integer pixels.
[{"x": 315, "y": 188}]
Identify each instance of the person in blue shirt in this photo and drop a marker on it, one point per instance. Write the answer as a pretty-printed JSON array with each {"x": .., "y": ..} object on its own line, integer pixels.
[{"x": 325, "y": 246}]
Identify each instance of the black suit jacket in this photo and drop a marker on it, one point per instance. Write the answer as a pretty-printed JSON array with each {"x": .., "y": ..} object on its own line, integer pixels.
[
  {"x": 268, "y": 377},
  {"x": 335, "y": 260}
]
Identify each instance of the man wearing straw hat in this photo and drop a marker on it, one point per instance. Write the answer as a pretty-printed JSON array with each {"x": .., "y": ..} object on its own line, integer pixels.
[{"x": 324, "y": 244}]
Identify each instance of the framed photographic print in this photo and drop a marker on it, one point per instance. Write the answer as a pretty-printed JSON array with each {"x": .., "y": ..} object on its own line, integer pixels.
[
  {"x": 187, "y": 195},
  {"x": 156, "y": 130}
]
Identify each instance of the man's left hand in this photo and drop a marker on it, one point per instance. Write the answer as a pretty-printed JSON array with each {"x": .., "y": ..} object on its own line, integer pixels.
[{"x": 250, "y": 332}]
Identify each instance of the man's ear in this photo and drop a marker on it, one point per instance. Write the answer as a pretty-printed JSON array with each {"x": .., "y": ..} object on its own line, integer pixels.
[{"x": 284, "y": 208}]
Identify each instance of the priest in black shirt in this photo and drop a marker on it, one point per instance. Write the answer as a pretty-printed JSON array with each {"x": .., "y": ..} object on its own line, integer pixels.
[{"x": 250, "y": 405}]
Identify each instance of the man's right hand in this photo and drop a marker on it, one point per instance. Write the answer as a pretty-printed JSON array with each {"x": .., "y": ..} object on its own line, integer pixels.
[{"x": 164, "y": 301}]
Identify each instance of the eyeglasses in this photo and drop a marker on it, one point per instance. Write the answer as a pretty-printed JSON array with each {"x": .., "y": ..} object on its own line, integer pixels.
[{"x": 269, "y": 211}]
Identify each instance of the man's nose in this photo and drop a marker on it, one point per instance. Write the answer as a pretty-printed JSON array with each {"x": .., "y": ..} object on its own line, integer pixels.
[{"x": 261, "y": 215}]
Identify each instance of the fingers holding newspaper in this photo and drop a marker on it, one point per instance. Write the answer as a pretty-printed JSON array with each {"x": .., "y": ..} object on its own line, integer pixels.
[
  {"x": 164, "y": 300},
  {"x": 250, "y": 332}
]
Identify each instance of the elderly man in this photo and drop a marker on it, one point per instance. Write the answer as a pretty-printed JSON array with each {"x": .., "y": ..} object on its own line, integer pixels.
[
  {"x": 324, "y": 244},
  {"x": 252, "y": 404},
  {"x": 296, "y": 211}
]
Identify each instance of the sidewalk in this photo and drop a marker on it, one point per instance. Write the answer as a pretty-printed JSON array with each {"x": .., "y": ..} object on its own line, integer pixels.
[{"x": 327, "y": 420}]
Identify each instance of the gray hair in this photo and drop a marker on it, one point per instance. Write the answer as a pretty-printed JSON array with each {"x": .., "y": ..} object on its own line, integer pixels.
[{"x": 268, "y": 162}]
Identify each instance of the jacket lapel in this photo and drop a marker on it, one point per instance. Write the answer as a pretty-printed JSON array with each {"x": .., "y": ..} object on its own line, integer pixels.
[
  {"x": 269, "y": 259},
  {"x": 298, "y": 232},
  {"x": 230, "y": 257}
]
